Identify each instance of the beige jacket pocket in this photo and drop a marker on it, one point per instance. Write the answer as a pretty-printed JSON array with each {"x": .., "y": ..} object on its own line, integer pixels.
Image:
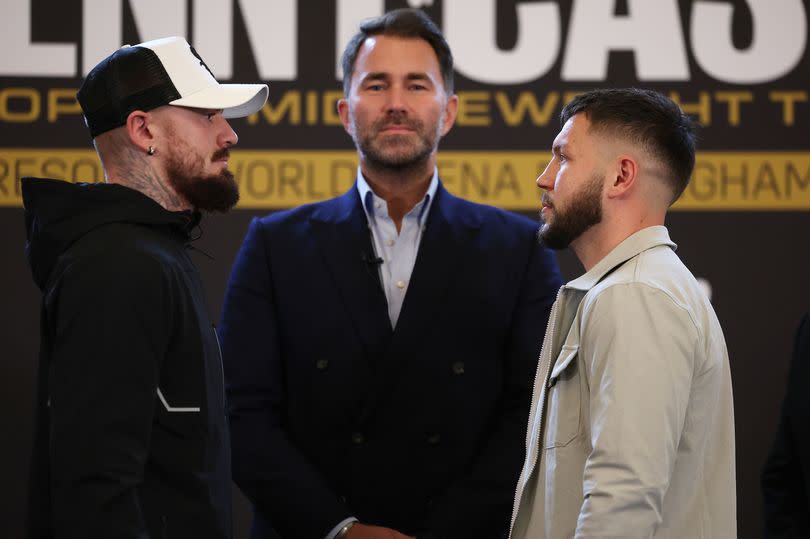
[{"x": 564, "y": 400}]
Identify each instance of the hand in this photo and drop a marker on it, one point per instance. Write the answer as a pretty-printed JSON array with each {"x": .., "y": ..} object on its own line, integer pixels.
[{"x": 367, "y": 531}]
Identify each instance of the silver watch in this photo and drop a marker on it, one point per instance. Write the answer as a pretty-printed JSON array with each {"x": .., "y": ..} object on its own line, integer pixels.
[{"x": 345, "y": 530}]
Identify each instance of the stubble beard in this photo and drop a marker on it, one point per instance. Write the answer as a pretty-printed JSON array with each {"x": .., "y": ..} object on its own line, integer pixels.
[
  {"x": 583, "y": 212},
  {"x": 207, "y": 192},
  {"x": 396, "y": 152}
]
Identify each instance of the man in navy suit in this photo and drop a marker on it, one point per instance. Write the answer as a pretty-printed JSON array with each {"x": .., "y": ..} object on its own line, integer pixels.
[
  {"x": 786, "y": 476},
  {"x": 380, "y": 347}
]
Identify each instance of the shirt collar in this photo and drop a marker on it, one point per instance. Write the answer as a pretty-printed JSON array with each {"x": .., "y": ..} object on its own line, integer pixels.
[
  {"x": 367, "y": 195},
  {"x": 644, "y": 239}
]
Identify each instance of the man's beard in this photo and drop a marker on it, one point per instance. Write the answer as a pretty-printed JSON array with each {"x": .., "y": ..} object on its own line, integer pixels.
[
  {"x": 584, "y": 211},
  {"x": 396, "y": 151},
  {"x": 208, "y": 192}
]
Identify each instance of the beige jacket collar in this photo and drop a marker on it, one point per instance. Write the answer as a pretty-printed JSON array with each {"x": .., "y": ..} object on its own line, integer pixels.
[{"x": 644, "y": 239}]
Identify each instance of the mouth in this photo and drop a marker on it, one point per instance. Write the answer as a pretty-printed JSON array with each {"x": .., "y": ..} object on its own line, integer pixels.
[
  {"x": 395, "y": 125},
  {"x": 547, "y": 207},
  {"x": 222, "y": 156},
  {"x": 396, "y": 129}
]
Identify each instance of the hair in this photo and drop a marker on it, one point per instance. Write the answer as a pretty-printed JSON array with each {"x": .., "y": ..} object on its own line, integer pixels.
[
  {"x": 115, "y": 150},
  {"x": 649, "y": 119},
  {"x": 406, "y": 23}
]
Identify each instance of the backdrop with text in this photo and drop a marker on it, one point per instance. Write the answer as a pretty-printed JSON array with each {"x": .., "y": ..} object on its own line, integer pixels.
[{"x": 741, "y": 68}]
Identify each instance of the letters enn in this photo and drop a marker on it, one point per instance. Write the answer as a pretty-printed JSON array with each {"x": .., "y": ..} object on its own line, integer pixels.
[{"x": 652, "y": 30}]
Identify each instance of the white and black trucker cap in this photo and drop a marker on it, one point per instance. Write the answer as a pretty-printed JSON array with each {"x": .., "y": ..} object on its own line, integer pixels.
[{"x": 165, "y": 71}]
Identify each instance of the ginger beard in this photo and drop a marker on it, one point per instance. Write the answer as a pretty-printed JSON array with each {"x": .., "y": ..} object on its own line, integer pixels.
[
  {"x": 395, "y": 151},
  {"x": 566, "y": 224},
  {"x": 186, "y": 169}
]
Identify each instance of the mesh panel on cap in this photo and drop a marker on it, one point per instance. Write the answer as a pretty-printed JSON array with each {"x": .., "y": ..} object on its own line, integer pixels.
[{"x": 130, "y": 79}]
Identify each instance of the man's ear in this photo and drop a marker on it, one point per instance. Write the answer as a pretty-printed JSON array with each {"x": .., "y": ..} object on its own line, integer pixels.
[
  {"x": 139, "y": 129},
  {"x": 343, "y": 112},
  {"x": 450, "y": 112},
  {"x": 625, "y": 174}
]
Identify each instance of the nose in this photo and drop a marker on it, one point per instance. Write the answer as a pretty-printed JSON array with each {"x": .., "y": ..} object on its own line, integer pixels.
[
  {"x": 546, "y": 178},
  {"x": 396, "y": 99},
  {"x": 227, "y": 136}
]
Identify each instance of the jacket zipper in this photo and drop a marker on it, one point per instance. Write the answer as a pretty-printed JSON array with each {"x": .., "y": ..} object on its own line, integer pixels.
[
  {"x": 549, "y": 332},
  {"x": 221, "y": 367}
]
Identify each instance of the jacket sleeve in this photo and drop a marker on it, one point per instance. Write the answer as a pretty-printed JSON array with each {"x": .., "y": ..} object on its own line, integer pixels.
[
  {"x": 784, "y": 486},
  {"x": 282, "y": 484},
  {"x": 479, "y": 505},
  {"x": 639, "y": 349},
  {"x": 109, "y": 321}
]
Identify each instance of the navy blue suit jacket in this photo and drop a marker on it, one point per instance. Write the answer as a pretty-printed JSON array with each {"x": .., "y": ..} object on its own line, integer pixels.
[
  {"x": 333, "y": 414},
  {"x": 786, "y": 476}
]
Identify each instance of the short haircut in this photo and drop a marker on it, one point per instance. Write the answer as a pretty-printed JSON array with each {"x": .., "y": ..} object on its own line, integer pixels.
[
  {"x": 649, "y": 119},
  {"x": 405, "y": 23}
]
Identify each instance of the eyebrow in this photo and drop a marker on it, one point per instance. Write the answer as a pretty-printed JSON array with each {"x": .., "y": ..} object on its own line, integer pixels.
[
  {"x": 382, "y": 75},
  {"x": 376, "y": 75},
  {"x": 417, "y": 76}
]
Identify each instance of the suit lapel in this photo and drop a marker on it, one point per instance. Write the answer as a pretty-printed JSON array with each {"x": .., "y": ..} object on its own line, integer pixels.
[
  {"x": 342, "y": 234},
  {"x": 444, "y": 246}
]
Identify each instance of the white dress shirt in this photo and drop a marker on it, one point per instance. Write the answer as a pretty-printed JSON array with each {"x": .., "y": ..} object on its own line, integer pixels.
[{"x": 397, "y": 250}]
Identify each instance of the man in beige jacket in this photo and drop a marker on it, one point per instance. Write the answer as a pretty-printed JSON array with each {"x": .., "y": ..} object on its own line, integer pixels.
[{"x": 631, "y": 429}]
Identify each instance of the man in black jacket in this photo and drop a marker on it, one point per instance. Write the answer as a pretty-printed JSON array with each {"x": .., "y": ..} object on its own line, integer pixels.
[{"x": 132, "y": 436}]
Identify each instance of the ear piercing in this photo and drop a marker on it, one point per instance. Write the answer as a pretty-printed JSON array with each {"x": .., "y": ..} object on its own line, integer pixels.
[{"x": 151, "y": 151}]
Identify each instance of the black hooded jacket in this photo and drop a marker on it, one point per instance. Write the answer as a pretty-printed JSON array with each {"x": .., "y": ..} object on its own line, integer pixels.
[{"x": 131, "y": 438}]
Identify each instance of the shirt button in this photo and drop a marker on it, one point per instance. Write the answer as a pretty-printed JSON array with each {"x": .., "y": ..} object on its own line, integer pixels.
[
  {"x": 433, "y": 439},
  {"x": 358, "y": 438},
  {"x": 321, "y": 364},
  {"x": 400, "y": 284},
  {"x": 390, "y": 243}
]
